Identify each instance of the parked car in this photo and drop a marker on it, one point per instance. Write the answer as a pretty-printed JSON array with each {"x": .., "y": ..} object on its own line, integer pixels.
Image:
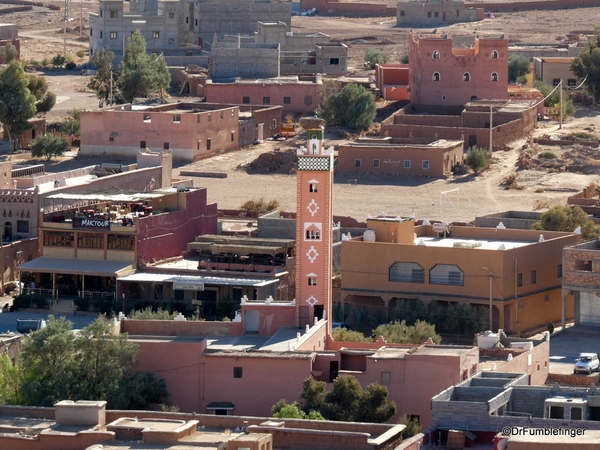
[{"x": 586, "y": 363}]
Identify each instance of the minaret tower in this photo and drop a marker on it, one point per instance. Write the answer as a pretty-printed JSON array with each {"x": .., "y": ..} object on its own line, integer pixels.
[{"x": 314, "y": 223}]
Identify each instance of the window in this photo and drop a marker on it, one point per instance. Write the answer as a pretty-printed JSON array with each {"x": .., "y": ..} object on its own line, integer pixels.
[
  {"x": 287, "y": 100},
  {"x": 100, "y": 13},
  {"x": 58, "y": 239},
  {"x": 313, "y": 187},
  {"x": 208, "y": 144},
  {"x": 533, "y": 277},
  {"x": 113, "y": 34},
  {"x": 494, "y": 54},
  {"x": 187, "y": 20},
  {"x": 435, "y": 54},
  {"x": 443, "y": 97},
  {"x": 376, "y": 162},
  {"x": 209, "y": 117},
  {"x": 425, "y": 164},
  {"x": 466, "y": 76},
  {"x": 436, "y": 76},
  {"x": 386, "y": 378},
  {"x": 357, "y": 162},
  {"x": 155, "y": 34},
  {"x": 312, "y": 281},
  {"x": 494, "y": 76},
  {"x": 559, "y": 271},
  {"x": 111, "y": 138},
  {"x": 121, "y": 242},
  {"x": 407, "y": 163},
  {"x": 233, "y": 136},
  {"x": 572, "y": 82},
  {"x": 457, "y": 13},
  {"x": 519, "y": 279},
  {"x": 237, "y": 372},
  {"x": 91, "y": 32},
  {"x": 114, "y": 14},
  {"x": 147, "y": 118},
  {"x": 436, "y": 14},
  {"x": 177, "y": 118},
  {"x": 166, "y": 146},
  {"x": 196, "y": 22},
  {"x": 448, "y": 274},
  {"x": 266, "y": 100},
  {"x": 429, "y": 14},
  {"x": 246, "y": 100},
  {"x": 555, "y": 81},
  {"x": 407, "y": 272},
  {"x": 171, "y": 15},
  {"x": 308, "y": 100},
  {"x": 334, "y": 61},
  {"x": 313, "y": 234},
  {"x": 142, "y": 144},
  {"x": 101, "y": 35},
  {"x": 401, "y": 13},
  {"x": 90, "y": 240},
  {"x": 222, "y": 115},
  {"x": 22, "y": 226}
]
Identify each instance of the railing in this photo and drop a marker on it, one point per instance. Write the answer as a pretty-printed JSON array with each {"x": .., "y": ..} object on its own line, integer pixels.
[
  {"x": 90, "y": 295},
  {"x": 41, "y": 292}
]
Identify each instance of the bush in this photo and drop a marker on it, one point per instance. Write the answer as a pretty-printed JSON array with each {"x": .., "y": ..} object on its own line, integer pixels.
[
  {"x": 22, "y": 301},
  {"x": 48, "y": 146},
  {"x": 149, "y": 314},
  {"x": 581, "y": 136},
  {"x": 83, "y": 304},
  {"x": 510, "y": 181},
  {"x": 342, "y": 334},
  {"x": 80, "y": 54},
  {"x": 374, "y": 56},
  {"x": 70, "y": 65},
  {"x": 260, "y": 205},
  {"x": 34, "y": 62},
  {"x": 58, "y": 60},
  {"x": 478, "y": 159},
  {"x": 40, "y": 302},
  {"x": 45, "y": 62},
  {"x": 104, "y": 305},
  {"x": 547, "y": 155}
]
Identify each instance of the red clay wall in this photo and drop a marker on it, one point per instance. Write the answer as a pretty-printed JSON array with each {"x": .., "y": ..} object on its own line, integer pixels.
[{"x": 538, "y": 369}]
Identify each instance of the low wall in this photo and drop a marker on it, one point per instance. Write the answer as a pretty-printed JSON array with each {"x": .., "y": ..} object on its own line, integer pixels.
[
  {"x": 575, "y": 380},
  {"x": 175, "y": 328},
  {"x": 566, "y": 142},
  {"x": 325, "y": 7},
  {"x": 532, "y": 5}
]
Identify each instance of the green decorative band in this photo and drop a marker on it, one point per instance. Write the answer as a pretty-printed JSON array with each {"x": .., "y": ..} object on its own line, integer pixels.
[
  {"x": 314, "y": 163},
  {"x": 311, "y": 133}
]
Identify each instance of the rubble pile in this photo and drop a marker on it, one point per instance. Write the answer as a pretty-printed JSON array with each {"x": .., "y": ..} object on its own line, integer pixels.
[{"x": 277, "y": 161}]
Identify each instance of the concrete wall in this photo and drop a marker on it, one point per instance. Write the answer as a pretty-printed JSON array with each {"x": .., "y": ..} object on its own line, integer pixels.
[
  {"x": 247, "y": 61},
  {"x": 430, "y": 13},
  {"x": 337, "y": 8},
  {"x": 521, "y": 220},
  {"x": 537, "y": 370}
]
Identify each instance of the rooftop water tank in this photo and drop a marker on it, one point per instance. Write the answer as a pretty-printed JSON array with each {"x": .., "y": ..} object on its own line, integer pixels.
[
  {"x": 369, "y": 235},
  {"x": 487, "y": 340}
]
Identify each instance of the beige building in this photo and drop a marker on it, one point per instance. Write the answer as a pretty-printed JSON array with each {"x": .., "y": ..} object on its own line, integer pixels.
[
  {"x": 552, "y": 70},
  {"x": 435, "y": 12}
]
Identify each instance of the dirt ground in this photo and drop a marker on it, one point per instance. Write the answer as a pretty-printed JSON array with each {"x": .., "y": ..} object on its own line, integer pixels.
[{"x": 455, "y": 199}]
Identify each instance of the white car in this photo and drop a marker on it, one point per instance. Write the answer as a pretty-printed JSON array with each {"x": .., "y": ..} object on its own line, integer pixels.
[{"x": 586, "y": 363}]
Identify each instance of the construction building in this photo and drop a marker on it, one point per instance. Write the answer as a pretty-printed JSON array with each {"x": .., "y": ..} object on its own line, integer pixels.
[{"x": 431, "y": 13}]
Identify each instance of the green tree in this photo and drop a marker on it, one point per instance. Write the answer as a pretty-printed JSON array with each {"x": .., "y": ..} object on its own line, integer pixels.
[
  {"x": 373, "y": 405},
  {"x": 72, "y": 126},
  {"x": 9, "y": 53},
  {"x": 518, "y": 67},
  {"x": 412, "y": 426},
  {"x": 48, "y": 146},
  {"x": 313, "y": 393},
  {"x": 105, "y": 82},
  {"x": 142, "y": 74},
  {"x": 401, "y": 333},
  {"x": 374, "y": 56},
  {"x": 553, "y": 100},
  {"x": 342, "y": 334},
  {"x": 11, "y": 382},
  {"x": 404, "y": 59},
  {"x": 58, "y": 60},
  {"x": 45, "y": 99},
  {"x": 565, "y": 218},
  {"x": 17, "y": 104},
  {"x": 478, "y": 159},
  {"x": 139, "y": 392},
  {"x": 353, "y": 106},
  {"x": 587, "y": 65}
]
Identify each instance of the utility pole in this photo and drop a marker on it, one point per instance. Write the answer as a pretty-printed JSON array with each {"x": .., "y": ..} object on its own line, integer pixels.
[
  {"x": 560, "y": 104},
  {"x": 491, "y": 126}
]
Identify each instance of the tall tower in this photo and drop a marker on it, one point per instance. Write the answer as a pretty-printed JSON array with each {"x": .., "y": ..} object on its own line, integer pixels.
[{"x": 314, "y": 224}]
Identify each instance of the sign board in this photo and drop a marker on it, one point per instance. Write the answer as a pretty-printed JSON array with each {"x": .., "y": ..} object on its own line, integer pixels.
[
  {"x": 90, "y": 223},
  {"x": 440, "y": 227},
  {"x": 188, "y": 285}
]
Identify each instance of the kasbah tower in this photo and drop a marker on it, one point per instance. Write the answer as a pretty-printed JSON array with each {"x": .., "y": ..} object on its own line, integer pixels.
[{"x": 314, "y": 224}]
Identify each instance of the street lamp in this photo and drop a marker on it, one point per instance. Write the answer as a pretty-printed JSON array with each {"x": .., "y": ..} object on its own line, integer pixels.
[{"x": 491, "y": 276}]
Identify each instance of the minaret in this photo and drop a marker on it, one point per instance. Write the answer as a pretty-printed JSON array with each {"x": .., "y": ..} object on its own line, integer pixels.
[{"x": 314, "y": 223}]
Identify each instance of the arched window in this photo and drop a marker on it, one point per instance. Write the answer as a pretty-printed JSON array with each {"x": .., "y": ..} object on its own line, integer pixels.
[
  {"x": 448, "y": 274},
  {"x": 435, "y": 54},
  {"x": 494, "y": 54},
  {"x": 466, "y": 76},
  {"x": 436, "y": 76},
  {"x": 494, "y": 76},
  {"x": 407, "y": 272}
]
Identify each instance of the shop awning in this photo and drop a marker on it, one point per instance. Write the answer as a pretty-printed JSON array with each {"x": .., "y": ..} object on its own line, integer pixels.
[
  {"x": 148, "y": 277},
  {"x": 77, "y": 266}
]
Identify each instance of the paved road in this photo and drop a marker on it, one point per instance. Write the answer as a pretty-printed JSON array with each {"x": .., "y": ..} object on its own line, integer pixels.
[
  {"x": 566, "y": 347},
  {"x": 8, "y": 321}
]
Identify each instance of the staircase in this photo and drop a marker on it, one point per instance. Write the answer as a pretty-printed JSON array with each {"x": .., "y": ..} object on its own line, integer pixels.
[{"x": 63, "y": 307}]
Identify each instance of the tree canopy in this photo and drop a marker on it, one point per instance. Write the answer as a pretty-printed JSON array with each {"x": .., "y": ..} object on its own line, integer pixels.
[
  {"x": 565, "y": 218},
  {"x": 400, "y": 333},
  {"x": 374, "y": 56},
  {"x": 48, "y": 146},
  {"x": 142, "y": 74},
  {"x": 9, "y": 53},
  {"x": 57, "y": 364},
  {"x": 353, "y": 106},
  {"x": 346, "y": 402},
  {"x": 17, "y": 103},
  {"x": 45, "y": 99},
  {"x": 587, "y": 65},
  {"x": 518, "y": 67},
  {"x": 105, "y": 82},
  {"x": 553, "y": 100}
]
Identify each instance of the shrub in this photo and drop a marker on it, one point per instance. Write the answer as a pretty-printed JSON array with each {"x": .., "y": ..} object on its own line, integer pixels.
[
  {"x": 260, "y": 205},
  {"x": 83, "y": 304},
  {"x": 58, "y": 60},
  {"x": 342, "y": 334},
  {"x": 478, "y": 159},
  {"x": 22, "y": 301},
  {"x": 45, "y": 62},
  {"x": 510, "y": 181},
  {"x": 80, "y": 54},
  {"x": 581, "y": 136},
  {"x": 103, "y": 305},
  {"x": 40, "y": 302},
  {"x": 374, "y": 56},
  {"x": 547, "y": 155},
  {"x": 149, "y": 314},
  {"x": 34, "y": 62},
  {"x": 48, "y": 146},
  {"x": 70, "y": 65}
]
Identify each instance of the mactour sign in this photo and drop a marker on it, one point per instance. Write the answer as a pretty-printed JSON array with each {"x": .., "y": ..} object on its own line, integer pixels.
[{"x": 91, "y": 224}]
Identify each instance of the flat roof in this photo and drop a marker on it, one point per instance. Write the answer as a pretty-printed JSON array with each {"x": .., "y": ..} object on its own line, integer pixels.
[
  {"x": 170, "y": 278},
  {"x": 108, "y": 196},
  {"x": 70, "y": 266},
  {"x": 483, "y": 244}
]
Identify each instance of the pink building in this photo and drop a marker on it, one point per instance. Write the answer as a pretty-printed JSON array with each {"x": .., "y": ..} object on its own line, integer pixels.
[
  {"x": 393, "y": 81},
  {"x": 443, "y": 75}
]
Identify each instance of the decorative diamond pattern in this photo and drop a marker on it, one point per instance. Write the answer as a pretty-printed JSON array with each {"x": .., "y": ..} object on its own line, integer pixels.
[
  {"x": 313, "y": 163},
  {"x": 312, "y": 254},
  {"x": 312, "y": 301},
  {"x": 312, "y": 207}
]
